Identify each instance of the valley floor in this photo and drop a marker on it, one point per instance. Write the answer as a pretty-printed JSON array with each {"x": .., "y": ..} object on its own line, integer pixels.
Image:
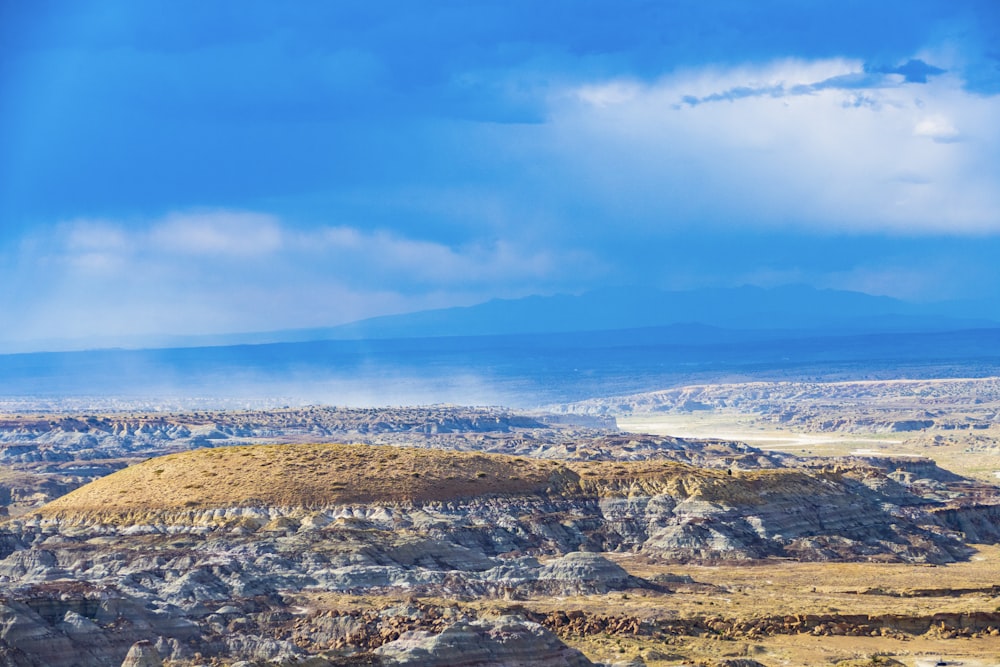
[{"x": 918, "y": 615}]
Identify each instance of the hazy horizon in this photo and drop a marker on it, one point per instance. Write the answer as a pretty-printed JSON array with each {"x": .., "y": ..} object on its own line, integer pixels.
[{"x": 734, "y": 313}]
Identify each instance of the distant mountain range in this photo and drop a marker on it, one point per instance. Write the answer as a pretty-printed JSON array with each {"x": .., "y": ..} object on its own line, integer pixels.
[
  {"x": 741, "y": 308},
  {"x": 679, "y": 316},
  {"x": 688, "y": 316}
]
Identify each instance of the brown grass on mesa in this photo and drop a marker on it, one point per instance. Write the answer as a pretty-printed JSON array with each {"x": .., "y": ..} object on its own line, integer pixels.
[{"x": 309, "y": 475}]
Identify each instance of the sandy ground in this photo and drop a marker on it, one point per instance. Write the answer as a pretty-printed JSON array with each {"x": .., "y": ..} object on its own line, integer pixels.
[
  {"x": 737, "y": 426},
  {"x": 950, "y": 452}
]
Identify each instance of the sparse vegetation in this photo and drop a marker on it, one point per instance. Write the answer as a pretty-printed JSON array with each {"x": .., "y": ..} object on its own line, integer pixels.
[{"x": 308, "y": 475}]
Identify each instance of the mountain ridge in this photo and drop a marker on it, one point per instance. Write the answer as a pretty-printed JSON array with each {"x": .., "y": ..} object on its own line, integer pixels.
[
  {"x": 791, "y": 307},
  {"x": 616, "y": 308}
]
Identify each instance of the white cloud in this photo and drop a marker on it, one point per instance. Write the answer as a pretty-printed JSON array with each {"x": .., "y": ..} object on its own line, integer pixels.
[
  {"x": 94, "y": 247},
  {"x": 230, "y": 271},
  {"x": 608, "y": 94},
  {"x": 232, "y": 233},
  {"x": 95, "y": 235},
  {"x": 818, "y": 145},
  {"x": 937, "y": 128},
  {"x": 429, "y": 263}
]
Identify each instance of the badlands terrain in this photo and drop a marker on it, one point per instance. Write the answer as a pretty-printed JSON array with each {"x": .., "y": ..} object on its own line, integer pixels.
[{"x": 743, "y": 524}]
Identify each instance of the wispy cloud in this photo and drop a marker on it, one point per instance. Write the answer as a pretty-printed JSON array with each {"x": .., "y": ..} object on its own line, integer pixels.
[
  {"x": 222, "y": 233},
  {"x": 224, "y": 271},
  {"x": 419, "y": 262},
  {"x": 864, "y": 78}
]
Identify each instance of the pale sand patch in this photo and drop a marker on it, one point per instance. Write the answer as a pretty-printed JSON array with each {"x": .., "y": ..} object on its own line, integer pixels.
[{"x": 723, "y": 428}]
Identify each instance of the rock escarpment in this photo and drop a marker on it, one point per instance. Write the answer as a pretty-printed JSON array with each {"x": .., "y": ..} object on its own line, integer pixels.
[{"x": 497, "y": 504}]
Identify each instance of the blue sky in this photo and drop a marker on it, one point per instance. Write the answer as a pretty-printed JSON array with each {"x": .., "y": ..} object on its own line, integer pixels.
[{"x": 188, "y": 167}]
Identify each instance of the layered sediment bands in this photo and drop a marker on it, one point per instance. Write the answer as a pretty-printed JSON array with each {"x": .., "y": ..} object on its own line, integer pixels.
[
  {"x": 508, "y": 640},
  {"x": 980, "y": 523},
  {"x": 88, "y": 629},
  {"x": 499, "y": 504}
]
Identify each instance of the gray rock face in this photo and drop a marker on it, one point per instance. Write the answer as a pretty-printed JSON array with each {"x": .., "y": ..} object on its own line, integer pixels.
[
  {"x": 76, "y": 628},
  {"x": 27, "y": 640},
  {"x": 506, "y": 642},
  {"x": 142, "y": 654},
  {"x": 32, "y": 564},
  {"x": 262, "y": 649},
  {"x": 980, "y": 523},
  {"x": 586, "y": 573}
]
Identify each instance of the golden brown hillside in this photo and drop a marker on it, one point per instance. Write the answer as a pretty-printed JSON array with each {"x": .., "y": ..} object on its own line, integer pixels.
[
  {"x": 309, "y": 475},
  {"x": 303, "y": 475}
]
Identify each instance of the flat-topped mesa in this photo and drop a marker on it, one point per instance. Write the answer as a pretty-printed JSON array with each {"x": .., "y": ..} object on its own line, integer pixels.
[
  {"x": 508, "y": 504},
  {"x": 306, "y": 476},
  {"x": 311, "y": 476}
]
